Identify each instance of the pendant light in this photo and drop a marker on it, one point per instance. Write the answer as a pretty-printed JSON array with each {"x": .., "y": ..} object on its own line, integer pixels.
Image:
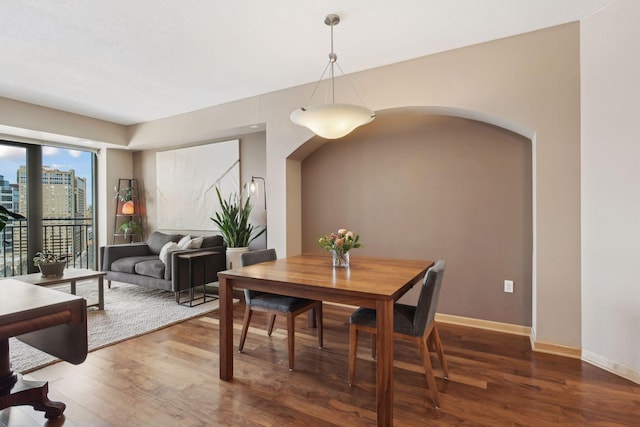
[{"x": 333, "y": 120}]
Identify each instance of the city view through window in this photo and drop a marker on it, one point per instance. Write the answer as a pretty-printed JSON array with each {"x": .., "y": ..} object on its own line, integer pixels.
[{"x": 67, "y": 211}]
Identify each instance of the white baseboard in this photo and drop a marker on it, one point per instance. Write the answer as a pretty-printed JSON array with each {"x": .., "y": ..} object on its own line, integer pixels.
[
  {"x": 543, "y": 347},
  {"x": 609, "y": 365},
  {"x": 484, "y": 324}
]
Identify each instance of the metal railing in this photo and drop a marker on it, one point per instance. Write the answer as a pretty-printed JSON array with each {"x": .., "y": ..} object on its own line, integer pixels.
[{"x": 72, "y": 237}]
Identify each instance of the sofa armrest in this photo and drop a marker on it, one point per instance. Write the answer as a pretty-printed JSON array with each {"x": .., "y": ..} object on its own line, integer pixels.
[
  {"x": 180, "y": 271},
  {"x": 109, "y": 254}
]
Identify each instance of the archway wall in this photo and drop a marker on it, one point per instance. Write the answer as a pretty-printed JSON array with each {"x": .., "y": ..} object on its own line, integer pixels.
[
  {"x": 418, "y": 185},
  {"x": 531, "y": 81}
]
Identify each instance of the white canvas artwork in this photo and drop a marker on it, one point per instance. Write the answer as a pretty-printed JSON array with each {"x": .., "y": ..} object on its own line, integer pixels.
[{"x": 186, "y": 184}]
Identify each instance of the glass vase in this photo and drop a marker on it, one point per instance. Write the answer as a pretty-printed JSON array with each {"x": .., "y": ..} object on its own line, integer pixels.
[{"x": 340, "y": 259}]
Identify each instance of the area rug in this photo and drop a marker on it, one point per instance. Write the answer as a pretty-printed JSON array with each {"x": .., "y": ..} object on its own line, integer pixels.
[{"x": 130, "y": 311}]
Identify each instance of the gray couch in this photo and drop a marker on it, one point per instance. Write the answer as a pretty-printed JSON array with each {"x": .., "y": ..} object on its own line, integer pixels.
[{"x": 140, "y": 263}]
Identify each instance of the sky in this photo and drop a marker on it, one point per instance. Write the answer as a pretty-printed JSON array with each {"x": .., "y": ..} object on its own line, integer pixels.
[{"x": 12, "y": 157}]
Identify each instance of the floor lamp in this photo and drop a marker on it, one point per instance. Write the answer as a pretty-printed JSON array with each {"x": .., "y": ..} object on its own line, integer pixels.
[{"x": 253, "y": 189}]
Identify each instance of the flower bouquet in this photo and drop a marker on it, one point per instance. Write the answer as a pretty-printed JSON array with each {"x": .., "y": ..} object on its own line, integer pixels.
[{"x": 339, "y": 244}]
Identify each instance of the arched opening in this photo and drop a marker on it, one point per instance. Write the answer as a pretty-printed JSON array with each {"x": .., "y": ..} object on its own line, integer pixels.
[{"x": 427, "y": 183}]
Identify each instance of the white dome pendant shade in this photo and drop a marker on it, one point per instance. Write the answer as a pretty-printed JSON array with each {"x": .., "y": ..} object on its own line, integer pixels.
[{"x": 332, "y": 121}]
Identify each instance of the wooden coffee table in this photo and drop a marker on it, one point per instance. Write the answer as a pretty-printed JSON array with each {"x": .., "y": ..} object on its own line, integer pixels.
[{"x": 71, "y": 276}]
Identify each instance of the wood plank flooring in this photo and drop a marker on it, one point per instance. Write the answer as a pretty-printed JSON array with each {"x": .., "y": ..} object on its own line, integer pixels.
[{"x": 170, "y": 378}]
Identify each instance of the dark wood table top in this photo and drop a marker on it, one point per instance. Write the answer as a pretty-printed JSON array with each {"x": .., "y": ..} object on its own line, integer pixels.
[
  {"x": 367, "y": 277},
  {"x": 69, "y": 275}
]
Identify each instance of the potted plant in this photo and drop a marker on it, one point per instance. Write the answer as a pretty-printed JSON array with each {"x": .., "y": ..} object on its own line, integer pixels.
[
  {"x": 49, "y": 263},
  {"x": 233, "y": 222},
  {"x": 132, "y": 228},
  {"x": 4, "y": 216}
]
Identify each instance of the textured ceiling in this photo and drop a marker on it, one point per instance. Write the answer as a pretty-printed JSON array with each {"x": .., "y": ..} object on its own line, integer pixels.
[{"x": 135, "y": 61}]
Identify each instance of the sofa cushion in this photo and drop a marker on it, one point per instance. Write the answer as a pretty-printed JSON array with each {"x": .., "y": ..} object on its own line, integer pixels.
[
  {"x": 196, "y": 242},
  {"x": 151, "y": 268},
  {"x": 165, "y": 252},
  {"x": 212, "y": 241},
  {"x": 184, "y": 242},
  {"x": 157, "y": 240},
  {"x": 128, "y": 264}
]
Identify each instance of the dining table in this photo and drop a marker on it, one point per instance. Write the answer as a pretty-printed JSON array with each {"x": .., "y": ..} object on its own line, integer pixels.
[{"x": 370, "y": 282}]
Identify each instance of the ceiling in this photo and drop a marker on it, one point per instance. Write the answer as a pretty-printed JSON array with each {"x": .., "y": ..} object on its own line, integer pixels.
[{"x": 134, "y": 61}]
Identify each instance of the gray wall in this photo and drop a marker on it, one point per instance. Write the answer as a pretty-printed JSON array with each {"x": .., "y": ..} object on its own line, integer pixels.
[{"x": 430, "y": 187}]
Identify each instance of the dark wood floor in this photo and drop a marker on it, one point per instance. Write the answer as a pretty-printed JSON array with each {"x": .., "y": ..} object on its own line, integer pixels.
[{"x": 170, "y": 378}]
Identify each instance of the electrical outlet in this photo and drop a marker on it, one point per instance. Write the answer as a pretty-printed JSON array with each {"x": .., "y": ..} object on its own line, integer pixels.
[{"x": 508, "y": 286}]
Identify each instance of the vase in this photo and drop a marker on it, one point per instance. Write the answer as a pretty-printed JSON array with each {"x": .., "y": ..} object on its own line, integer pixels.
[
  {"x": 340, "y": 259},
  {"x": 233, "y": 257},
  {"x": 52, "y": 269}
]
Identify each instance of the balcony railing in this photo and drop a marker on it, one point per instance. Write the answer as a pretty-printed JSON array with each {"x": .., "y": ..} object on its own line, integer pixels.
[{"x": 73, "y": 237}]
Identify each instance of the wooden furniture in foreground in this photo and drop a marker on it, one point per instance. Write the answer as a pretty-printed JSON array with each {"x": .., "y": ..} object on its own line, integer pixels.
[
  {"x": 368, "y": 282},
  {"x": 51, "y": 321},
  {"x": 71, "y": 276}
]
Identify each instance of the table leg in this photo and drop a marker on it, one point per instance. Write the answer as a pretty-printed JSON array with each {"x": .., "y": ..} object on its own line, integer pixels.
[
  {"x": 101, "y": 293},
  {"x": 73, "y": 287},
  {"x": 16, "y": 391},
  {"x": 226, "y": 329},
  {"x": 384, "y": 344}
]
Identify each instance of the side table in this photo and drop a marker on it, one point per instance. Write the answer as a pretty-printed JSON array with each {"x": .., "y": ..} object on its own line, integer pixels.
[{"x": 197, "y": 263}]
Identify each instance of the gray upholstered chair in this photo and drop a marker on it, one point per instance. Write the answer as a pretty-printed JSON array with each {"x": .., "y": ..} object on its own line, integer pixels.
[
  {"x": 276, "y": 304},
  {"x": 410, "y": 323}
]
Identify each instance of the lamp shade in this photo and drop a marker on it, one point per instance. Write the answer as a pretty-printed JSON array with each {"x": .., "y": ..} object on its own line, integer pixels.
[
  {"x": 128, "y": 208},
  {"x": 332, "y": 121}
]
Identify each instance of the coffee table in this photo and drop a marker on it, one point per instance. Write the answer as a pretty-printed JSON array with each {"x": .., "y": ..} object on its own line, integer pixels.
[{"x": 71, "y": 276}]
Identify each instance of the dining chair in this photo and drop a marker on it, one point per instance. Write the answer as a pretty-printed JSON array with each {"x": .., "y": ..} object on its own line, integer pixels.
[
  {"x": 410, "y": 323},
  {"x": 274, "y": 304}
]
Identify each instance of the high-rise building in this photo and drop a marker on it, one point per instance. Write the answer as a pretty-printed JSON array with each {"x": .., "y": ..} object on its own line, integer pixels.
[
  {"x": 63, "y": 209},
  {"x": 9, "y": 200}
]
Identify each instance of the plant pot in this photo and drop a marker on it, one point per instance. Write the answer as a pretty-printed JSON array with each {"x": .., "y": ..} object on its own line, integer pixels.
[
  {"x": 233, "y": 257},
  {"x": 52, "y": 269}
]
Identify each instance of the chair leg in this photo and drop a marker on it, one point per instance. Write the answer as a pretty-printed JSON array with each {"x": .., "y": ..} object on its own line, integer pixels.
[
  {"x": 245, "y": 327},
  {"x": 291, "y": 332},
  {"x": 272, "y": 321},
  {"x": 109, "y": 284},
  {"x": 436, "y": 340},
  {"x": 353, "y": 351},
  {"x": 318, "y": 317},
  {"x": 428, "y": 369}
]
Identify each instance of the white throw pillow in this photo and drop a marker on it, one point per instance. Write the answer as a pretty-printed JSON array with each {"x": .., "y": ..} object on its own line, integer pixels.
[
  {"x": 196, "y": 243},
  {"x": 166, "y": 250},
  {"x": 184, "y": 242}
]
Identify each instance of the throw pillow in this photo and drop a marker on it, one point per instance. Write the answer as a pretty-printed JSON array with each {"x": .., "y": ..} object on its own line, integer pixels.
[
  {"x": 157, "y": 240},
  {"x": 196, "y": 243},
  {"x": 165, "y": 252},
  {"x": 184, "y": 242}
]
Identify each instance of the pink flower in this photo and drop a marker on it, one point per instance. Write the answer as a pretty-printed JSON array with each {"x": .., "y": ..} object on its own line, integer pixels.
[
  {"x": 339, "y": 241},
  {"x": 342, "y": 231}
]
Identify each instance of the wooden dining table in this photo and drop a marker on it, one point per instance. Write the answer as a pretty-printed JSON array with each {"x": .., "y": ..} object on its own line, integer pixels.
[{"x": 368, "y": 282}]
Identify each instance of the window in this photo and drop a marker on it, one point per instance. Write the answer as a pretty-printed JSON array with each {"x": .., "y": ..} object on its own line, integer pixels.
[{"x": 65, "y": 209}]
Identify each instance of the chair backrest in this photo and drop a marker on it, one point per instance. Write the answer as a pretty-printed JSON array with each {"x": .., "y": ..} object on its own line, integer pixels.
[
  {"x": 428, "y": 300},
  {"x": 256, "y": 257}
]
